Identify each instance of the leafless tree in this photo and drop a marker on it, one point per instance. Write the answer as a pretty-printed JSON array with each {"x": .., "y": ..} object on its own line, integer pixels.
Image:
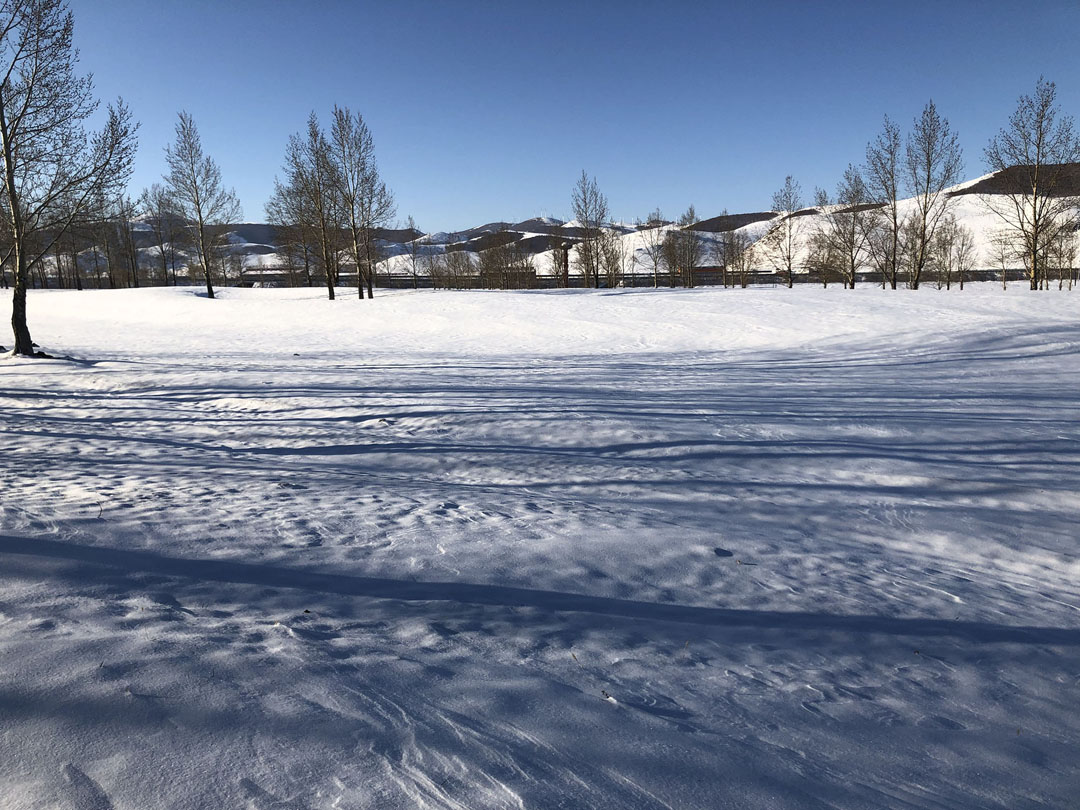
[
  {"x": 844, "y": 225},
  {"x": 964, "y": 253},
  {"x": 671, "y": 257},
  {"x": 414, "y": 250},
  {"x": 783, "y": 240},
  {"x": 460, "y": 270},
  {"x": 1003, "y": 253},
  {"x": 165, "y": 226},
  {"x": 365, "y": 200},
  {"x": 590, "y": 208},
  {"x": 738, "y": 256},
  {"x": 309, "y": 193},
  {"x": 884, "y": 225},
  {"x": 615, "y": 259},
  {"x": 953, "y": 252},
  {"x": 236, "y": 266},
  {"x": 493, "y": 264},
  {"x": 1063, "y": 251},
  {"x": 691, "y": 246},
  {"x": 49, "y": 158},
  {"x": 933, "y": 161},
  {"x": 125, "y": 238},
  {"x": 652, "y": 238},
  {"x": 195, "y": 187},
  {"x": 288, "y": 211},
  {"x": 560, "y": 256},
  {"x": 823, "y": 256},
  {"x": 1031, "y": 156}
]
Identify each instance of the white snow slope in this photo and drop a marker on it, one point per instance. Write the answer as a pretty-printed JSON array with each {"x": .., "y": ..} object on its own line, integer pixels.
[{"x": 758, "y": 548}]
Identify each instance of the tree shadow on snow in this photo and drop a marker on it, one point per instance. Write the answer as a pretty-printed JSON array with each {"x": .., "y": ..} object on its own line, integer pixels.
[{"x": 238, "y": 573}]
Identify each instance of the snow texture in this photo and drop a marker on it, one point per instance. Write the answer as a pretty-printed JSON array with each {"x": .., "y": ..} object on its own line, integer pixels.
[{"x": 758, "y": 548}]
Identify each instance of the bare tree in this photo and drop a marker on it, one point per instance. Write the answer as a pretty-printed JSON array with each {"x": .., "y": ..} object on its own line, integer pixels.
[
  {"x": 413, "y": 251},
  {"x": 288, "y": 211},
  {"x": 590, "y": 208},
  {"x": 165, "y": 226},
  {"x": 460, "y": 270},
  {"x": 933, "y": 161},
  {"x": 784, "y": 238},
  {"x": 310, "y": 193},
  {"x": 493, "y": 263},
  {"x": 884, "y": 225},
  {"x": 435, "y": 265},
  {"x": 823, "y": 255},
  {"x": 1031, "y": 156},
  {"x": 125, "y": 232},
  {"x": 683, "y": 249},
  {"x": 691, "y": 245},
  {"x": 560, "y": 256},
  {"x": 953, "y": 252},
  {"x": 738, "y": 256},
  {"x": 366, "y": 202},
  {"x": 615, "y": 259},
  {"x": 965, "y": 253},
  {"x": 52, "y": 167},
  {"x": 194, "y": 185},
  {"x": 1003, "y": 253},
  {"x": 652, "y": 239},
  {"x": 1063, "y": 252},
  {"x": 671, "y": 257},
  {"x": 844, "y": 225}
]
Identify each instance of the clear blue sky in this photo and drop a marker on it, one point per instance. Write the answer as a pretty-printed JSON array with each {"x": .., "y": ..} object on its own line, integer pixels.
[{"x": 490, "y": 110}]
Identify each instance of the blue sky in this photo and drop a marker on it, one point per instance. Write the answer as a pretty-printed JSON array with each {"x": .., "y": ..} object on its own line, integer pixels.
[{"x": 484, "y": 110}]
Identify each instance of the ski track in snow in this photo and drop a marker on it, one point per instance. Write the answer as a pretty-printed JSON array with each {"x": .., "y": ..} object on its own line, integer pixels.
[{"x": 819, "y": 547}]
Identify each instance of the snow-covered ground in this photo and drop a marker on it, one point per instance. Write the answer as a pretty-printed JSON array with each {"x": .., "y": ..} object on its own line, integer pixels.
[{"x": 759, "y": 548}]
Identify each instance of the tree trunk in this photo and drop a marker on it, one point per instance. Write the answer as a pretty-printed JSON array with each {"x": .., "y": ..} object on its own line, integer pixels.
[
  {"x": 205, "y": 256},
  {"x": 23, "y": 343}
]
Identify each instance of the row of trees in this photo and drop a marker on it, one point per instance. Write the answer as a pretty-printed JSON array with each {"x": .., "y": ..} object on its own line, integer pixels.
[
  {"x": 891, "y": 216},
  {"x": 65, "y": 204},
  {"x": 94, "y": 238},
  {"x": 64, "y": 187},
  {"x": 864, "y": 226}
]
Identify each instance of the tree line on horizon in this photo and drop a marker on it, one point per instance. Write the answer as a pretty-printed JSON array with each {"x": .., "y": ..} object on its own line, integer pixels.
[
  {"x": 863, "y": 227},
  {"x": 65, "y": 197}
]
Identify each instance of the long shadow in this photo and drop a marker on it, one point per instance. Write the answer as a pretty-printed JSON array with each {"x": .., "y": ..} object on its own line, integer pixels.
[{"x": 145, "y": 562}]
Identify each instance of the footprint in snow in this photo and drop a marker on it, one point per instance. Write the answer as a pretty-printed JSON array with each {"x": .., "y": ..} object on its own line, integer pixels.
[
  {"x": 85, "y": 793},
  {"x": 264, "y": 800},
  {"x": 723, "y": 552}
]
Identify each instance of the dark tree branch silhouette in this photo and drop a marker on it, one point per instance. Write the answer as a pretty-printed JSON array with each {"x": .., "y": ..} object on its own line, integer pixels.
[{"x": 53, "y": 168}]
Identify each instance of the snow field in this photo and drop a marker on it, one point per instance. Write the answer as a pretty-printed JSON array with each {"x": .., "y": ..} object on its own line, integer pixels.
[{"x": 818, "y": 546}]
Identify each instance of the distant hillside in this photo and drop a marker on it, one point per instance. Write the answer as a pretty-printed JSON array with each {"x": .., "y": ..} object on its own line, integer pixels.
[{"x": 1067, "y": 180}]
